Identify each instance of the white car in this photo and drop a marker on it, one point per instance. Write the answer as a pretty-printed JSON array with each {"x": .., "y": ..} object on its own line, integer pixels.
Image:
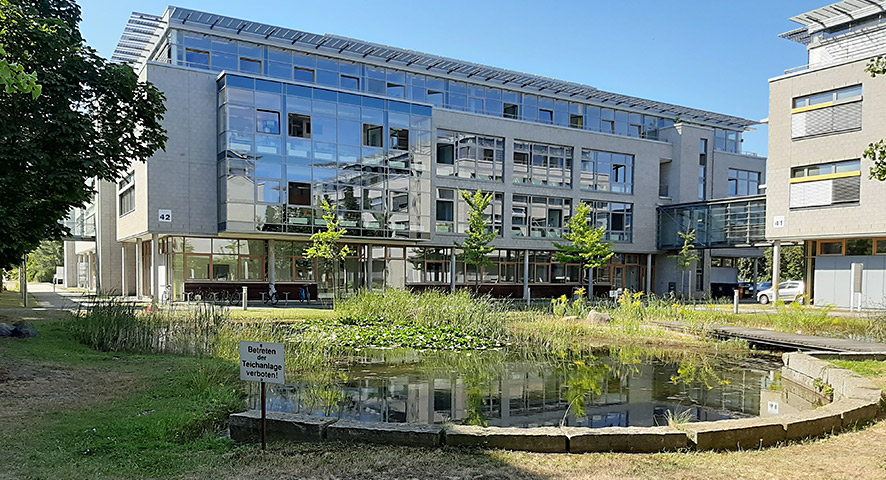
[{"x": 788, "y": 291}]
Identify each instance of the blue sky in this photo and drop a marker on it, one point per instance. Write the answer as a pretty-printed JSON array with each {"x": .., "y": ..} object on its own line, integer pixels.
[{"x": 711, "y": 54}]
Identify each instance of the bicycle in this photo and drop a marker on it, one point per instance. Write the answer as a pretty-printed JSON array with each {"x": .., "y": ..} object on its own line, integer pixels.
[
  {"x": 231, "y": 296},
  {"x": 166, "y": 296},
  {"x": 271, "y": 297}
]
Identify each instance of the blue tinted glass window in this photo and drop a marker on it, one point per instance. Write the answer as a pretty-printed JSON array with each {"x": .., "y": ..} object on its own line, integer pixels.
[
  {"x": 299, "y": 91},
  {"x": 324, "y": 129},
  {"x": 398, "y": 106},
  {"x": 240, "y": 82},
  {"x": 327, "y": 78},
  {"x": 373, "y": 102},
  {"x": 224, "y": 61},
  {"x": 302, "y": 74},
  {"x": 349, "y": 132},
  {"x": 250, "y": 66},
  {"x": 350, "y": 99},
  {"x": 324, "y": 108},
  {"x": 421, "y": 110},
  {"x": 298, "y": 105},
  {"x": 266, "y": 86},
  {"x": 280, "y": 70},
  {"x": 350, "y": 82}
]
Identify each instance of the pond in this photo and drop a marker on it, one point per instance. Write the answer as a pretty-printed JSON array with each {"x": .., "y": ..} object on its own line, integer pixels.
[{"x": 612, "y": 387}]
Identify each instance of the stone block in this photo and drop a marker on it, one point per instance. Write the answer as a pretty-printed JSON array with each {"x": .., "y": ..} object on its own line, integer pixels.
[
  {"x": 743, "y": 433},
  {"x": 385, "y": 433},
  {"x": 854, "y": 412},
  {"x": 625, "y": 439},
  {"x": 246, "y": 426},
  {"x": 540, "y": 439},
  {"x": 813, "y": 423}
]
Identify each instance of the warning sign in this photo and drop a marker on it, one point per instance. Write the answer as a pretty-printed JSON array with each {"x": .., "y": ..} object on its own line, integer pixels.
[{"x": 261, "y": 362}]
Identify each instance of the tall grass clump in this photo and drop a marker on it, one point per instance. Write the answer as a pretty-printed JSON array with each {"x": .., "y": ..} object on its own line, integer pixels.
[{"x": 111, "y": 324}]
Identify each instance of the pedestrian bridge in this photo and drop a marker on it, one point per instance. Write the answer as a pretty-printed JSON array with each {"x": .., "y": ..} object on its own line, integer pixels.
[
  {"x": 80, "y": 223},
  {"x": 732, "y": 222}
]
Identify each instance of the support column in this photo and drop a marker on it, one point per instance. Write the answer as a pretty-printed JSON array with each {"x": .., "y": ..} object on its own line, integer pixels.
[
  {"x": 23, "y": 281},
  {"x": 452, "y": 270},
  {"x": 648, "y": 274},
  {"x": 776, "y": 266},
  {"x": 526, "y": 275},
  {"x": 272, "y": 262},
  {"x": 155, "y": 268},
  {"x": 756, "y": 281},
  {"x": 139, "y": 269}
]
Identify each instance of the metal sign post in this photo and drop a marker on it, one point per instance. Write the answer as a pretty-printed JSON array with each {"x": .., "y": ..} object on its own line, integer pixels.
[{"x": 264, "y": 363}]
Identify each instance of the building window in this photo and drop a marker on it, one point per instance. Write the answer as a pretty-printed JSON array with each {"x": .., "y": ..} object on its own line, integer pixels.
[
  {"x": 743, "y": 182},
  {"x": 576, "y": 121},
  {"x": 545, "y": 116},
  {"x": 468, "y": 155},
  {"x": 304, "y": 74},
  {"x": 859, "y": 246},
  {"x": 250, "y": 66},
  {"x": 540, "y": 164},
  {"x": 399, "y": 139},
  {"x": 830, "y": 248},
  {"x": 539, "y": 217},
  {"x": 196, "y": 58},
  {"x": 825, "y": 184},
  {"x": 372, "y": 135},
  {"x": 445, "y": 210},
  {"x": 616, "y": 218},
  {"x": 607, "y": 171},
  {"x": 727, "y": 141},
  {"x": 846, "y": 93},
  {"x": 352, "y": 83},
  {"x": 299, "y": 193},
  {"x": 267, "y": 121},
  {"x": 126, "y": 193},
  {"x": 299, "y": 125},
  {"x": 511, "y": 110},
  {"x": 826, "y": 113}
]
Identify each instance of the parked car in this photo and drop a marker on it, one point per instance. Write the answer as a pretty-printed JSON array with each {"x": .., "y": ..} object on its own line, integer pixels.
[
  {"x": 745, "y": 289},
  {"x": 763, "y": 286},
  {"x": 788, "y": 291}
]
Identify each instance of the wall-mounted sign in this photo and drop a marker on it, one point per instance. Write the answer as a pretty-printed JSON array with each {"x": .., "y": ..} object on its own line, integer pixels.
[
  {"x": 778, "y": 222},
  {"x": 165, "y": 216}
]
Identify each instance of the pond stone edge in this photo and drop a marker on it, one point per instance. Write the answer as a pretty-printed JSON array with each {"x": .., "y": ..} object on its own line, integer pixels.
[{"x": 856, "y": 402}]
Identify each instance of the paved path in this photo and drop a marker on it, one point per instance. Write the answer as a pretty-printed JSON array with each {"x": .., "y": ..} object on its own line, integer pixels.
[
  {"x": 58, "y": 299},
  {"x": 791, "y": 341}
]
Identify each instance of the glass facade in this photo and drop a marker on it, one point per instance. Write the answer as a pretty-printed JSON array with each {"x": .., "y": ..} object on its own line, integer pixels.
[
  {"x": 285, "y": 148},
  {"x": 217, "y": 54}
]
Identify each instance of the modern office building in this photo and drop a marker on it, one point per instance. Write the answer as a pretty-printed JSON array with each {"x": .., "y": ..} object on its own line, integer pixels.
[
  {"x": 266, "y": 122},
  {"x": 822, "y": 117}
]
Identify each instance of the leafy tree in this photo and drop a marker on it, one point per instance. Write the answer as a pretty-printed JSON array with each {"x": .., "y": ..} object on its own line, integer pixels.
[
  {"x": 686, "y": 256},
  {"x": 793, "y": 265},
  {"x": 325, "y": 245},
  {"x": 43, "y": 260},
  {"x": 589, "y": 247},
  {"x": 475, "y": 249},
  {"x": 91, "y": 119},
  {"x": 876, "y": 152}
]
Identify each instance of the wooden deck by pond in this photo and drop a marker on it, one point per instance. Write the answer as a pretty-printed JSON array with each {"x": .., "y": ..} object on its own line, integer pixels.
[{"x": 783, "y": 340}]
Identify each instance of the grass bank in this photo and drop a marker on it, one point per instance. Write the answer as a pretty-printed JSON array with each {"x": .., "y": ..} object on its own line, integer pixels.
[
  {"x": 55, "y": 391},
  {"x": 69, "y": 411}
]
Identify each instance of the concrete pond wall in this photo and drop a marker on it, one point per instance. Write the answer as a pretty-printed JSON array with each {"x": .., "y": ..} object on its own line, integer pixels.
[{"x": 856, "y": 401}]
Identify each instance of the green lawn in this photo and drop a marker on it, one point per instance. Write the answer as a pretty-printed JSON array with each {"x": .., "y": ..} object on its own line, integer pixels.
[
  {"x": 67, "y": 411},
  {"x": 13, "y": 299}
]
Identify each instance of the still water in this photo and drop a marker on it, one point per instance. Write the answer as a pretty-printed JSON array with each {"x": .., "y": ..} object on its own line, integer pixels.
[{"x": 598, "y": 389}]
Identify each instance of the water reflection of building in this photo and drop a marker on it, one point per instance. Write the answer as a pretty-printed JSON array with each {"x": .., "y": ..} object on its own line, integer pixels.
[
  {"x": 265, "y": 122},
  {"x": 528, "y": 394}
]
